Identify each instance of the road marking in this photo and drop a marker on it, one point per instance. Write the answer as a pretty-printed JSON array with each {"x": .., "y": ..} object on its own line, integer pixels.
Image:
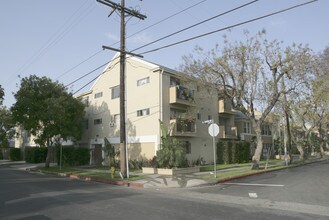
[
  {"x": 253, "y": 184},
  {"x": 253, "y": 195}
]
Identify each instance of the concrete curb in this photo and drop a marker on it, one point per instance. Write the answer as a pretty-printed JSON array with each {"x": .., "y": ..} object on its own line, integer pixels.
[
  {"x": 90, "y": 178},
  {"x": 267, "y": 171},
  {"x": 141, "y": 185}
]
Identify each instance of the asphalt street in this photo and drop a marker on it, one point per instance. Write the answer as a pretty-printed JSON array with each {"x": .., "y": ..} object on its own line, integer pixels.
[{"x": 298, "y": 193}]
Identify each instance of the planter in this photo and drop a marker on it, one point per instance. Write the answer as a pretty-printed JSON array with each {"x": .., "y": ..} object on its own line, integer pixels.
[
  {"x": 170, "y": 172},
  {"x": 150, "y": 170}
]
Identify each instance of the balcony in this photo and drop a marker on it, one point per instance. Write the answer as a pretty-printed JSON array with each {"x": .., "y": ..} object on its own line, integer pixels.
[
  {"x": 225, "y": 107},
  {"x": 181, "y": 95},
  {"x": 228, "y": 133},
  {"x": 183, "y": 127}
]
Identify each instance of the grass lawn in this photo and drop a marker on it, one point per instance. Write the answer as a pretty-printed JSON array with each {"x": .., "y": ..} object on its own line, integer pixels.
[{"x": 100, "y": 173}]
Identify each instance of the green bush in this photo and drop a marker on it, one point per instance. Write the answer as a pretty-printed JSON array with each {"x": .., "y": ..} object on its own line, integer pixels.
[
  {"x": 36, "y": 154},
  {"x": 81, "y": 156},
  {"x": 172, "y": 154},
  {"x": 1, "y": 154},
  {"x": 233, "y": 152},
  {"x": 73, "y": 156},
  {"x": 15, "y": 154}
]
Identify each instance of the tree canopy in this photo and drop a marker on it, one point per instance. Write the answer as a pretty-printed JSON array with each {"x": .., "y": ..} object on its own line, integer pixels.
[
  {"x": 251, "y": 74},
  {"x": 47, "y": 110}
]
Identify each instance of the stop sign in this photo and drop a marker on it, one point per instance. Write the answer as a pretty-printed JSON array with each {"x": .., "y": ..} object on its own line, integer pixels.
[{"x": 213, "y": 130}]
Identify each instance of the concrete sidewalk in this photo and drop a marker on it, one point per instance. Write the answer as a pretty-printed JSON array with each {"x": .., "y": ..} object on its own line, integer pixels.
[{"x": 152, "y": 180}]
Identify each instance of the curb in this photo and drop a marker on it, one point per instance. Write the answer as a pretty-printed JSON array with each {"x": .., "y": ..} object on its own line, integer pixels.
[
  {"x": 93, "y": 179},
  {"x": 266, "y": 171}
]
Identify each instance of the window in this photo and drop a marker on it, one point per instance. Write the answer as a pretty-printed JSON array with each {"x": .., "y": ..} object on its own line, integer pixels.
[
  {"x": 98, "y": 121},
  {"x": 247, "y": 128},
  {"x": 209, "y": 117},
  {"x": 98, "y": 95},
  {"x": 187, "y": 146},
  {"x": 143, "y": 81},
  {"x": 143, "y": 112},
  {"x": 198, "y": 116},
  {"x": 174, "y": 81},
  {"x": 86, "y": 124},
  {"x": 266, "y": 130},
  {"x": 115, "y": 92}
]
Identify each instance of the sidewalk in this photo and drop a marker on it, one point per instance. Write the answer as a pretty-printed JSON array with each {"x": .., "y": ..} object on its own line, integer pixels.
[{"x": 161, "y": 181}]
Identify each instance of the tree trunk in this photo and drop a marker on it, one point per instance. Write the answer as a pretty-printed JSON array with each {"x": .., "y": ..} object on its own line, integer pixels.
[
  {"x": 322, "y": 144},
  {"x": 301, "y": 151},
  {"x": 48, "y": 154},
  {"x": 259, "y": 147}
]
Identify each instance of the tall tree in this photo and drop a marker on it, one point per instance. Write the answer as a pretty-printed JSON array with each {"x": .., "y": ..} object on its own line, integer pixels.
[
  {"x": 47, "y": 110},
  {"x": 250, "y": 74},
  {"x": 6, "y": 123}
]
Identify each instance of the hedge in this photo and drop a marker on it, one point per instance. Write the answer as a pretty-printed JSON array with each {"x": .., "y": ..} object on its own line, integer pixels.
[
  {"x": 36, "y": 154},
  {"x": 73, "y": 156},
  {"x": 233, "y": 152},
  {"x": 15, "y": 154}
]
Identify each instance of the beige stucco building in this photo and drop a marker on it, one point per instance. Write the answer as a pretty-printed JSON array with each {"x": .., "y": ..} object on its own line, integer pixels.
[{"x": 154, "y": 93}]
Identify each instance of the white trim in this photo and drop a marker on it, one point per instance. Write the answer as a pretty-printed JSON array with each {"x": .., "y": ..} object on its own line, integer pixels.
[{"x": 136, "y": 139}]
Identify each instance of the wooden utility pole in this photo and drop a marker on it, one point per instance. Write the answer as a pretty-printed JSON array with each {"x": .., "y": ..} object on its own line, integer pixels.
[{"x": 123, "y": 138}]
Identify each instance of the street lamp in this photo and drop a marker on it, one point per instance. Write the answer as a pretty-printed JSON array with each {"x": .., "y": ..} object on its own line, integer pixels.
[{"x": 213, "y": 130}]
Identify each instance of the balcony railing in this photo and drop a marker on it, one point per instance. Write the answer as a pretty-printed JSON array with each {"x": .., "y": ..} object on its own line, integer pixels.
[
  {"x": 228, "y": 133},
  {"x": 181, "y": 95},
  {"x": 183, "y": 127}
]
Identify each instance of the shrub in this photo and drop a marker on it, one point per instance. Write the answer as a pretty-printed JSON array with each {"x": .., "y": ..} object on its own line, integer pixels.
[
  {"x": 36, "y": 154},
  {"x": 73, "y": 156},
  {"x": 1, "y": 154},
  {"x": 233, "y": 152},
  {"x": 81, "y": 156},
  {"x": 15, "y": 154},
  {"x": 172, "y": 154}
]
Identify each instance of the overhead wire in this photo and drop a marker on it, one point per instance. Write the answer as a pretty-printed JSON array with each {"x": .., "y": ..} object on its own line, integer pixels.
[
  {"x": 94, "y": 78},
  {"x": 152, "y": 25},
  {"x": 72, "y": 68},
  {"x": 197, "y": 24},
  {"x": 58, "y": 35},
  {"x": 228, "y": 27}
]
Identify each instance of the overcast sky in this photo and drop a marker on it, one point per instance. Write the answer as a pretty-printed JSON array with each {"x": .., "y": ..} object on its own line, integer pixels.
[{"x": 50, "y": 38}]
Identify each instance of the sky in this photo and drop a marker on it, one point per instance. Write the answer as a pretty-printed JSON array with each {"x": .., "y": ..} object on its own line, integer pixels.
[{"x": 63, "y": 39}]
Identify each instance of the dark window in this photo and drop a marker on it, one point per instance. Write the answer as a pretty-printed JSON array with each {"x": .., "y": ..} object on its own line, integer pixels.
[
  {"x": 115, "y": 92},
  {"x": 98, "y": 121},
  {"x": 98, "y": 95},
  {"x": 143, "y": 112}
]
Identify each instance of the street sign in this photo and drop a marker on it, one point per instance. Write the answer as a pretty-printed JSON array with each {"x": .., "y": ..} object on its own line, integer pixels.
[{"x": 213, "y": 130}]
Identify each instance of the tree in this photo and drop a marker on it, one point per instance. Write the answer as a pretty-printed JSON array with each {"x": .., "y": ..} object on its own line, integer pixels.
[
  {"x": 6, "y": 127},
  {"x": 48, "y": 111},
  {"x": 250, "y": 74},
  {"x": 6, "y": 123}
]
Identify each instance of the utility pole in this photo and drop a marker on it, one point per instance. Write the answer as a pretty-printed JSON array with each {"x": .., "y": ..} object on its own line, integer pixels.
[{"x": 124, "y": 166}]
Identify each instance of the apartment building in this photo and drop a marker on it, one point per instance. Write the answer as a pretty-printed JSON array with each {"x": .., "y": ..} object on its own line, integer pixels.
[{"x": 153, "y": 93}]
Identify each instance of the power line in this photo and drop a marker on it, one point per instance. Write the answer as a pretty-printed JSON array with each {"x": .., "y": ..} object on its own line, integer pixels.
[
  {"x": 58, "y": 35},
  {"x": 86, "y": 74},
  {"x": 158, "y": 22},
  {"x": 95, "y": 77},
  {"x": 167, "y": 36},
  {"x": 72, "y": 68},
  {"x": 199, "y": 23},
  {"x": 229, "y": 27},
  {"x": 152, "y": 25}
]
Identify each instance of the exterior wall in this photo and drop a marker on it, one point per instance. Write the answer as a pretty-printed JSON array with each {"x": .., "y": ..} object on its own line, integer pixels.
[
  {"x": 158, "y": 96},
  {"x": 142, "y": 130}
]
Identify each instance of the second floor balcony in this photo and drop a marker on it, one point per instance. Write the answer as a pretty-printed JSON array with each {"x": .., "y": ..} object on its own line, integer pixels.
[
  {"x": 225, "y": 107},
  {"x": 183, "y": 127},
  {"x": 181, "y": 95}
]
